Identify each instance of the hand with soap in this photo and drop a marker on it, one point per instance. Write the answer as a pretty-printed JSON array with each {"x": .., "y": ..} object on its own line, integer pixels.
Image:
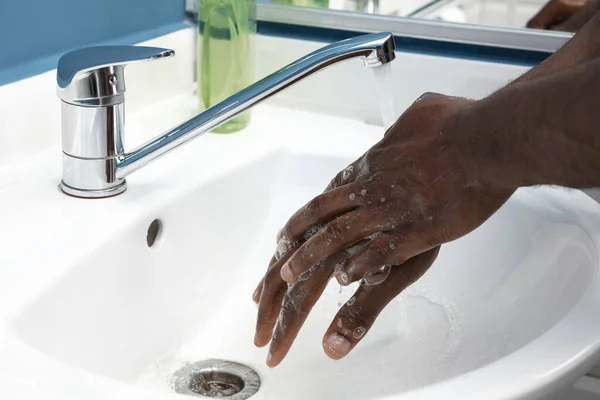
[
  {"x": 283, "y": 308},
  {"x": 441, "y": 171},
  {"x": 404, "y": 197},
  {"x": 411, "y": 192}
]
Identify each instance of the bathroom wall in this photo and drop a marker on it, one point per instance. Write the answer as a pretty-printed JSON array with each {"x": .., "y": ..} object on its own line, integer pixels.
[{"x": 34, "y": 33}]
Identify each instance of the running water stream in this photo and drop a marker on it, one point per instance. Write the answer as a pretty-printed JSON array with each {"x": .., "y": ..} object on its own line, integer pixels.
[{"x": 385, "y": 92}]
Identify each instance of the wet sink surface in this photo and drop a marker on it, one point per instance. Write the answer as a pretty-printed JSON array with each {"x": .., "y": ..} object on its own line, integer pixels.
[{"x": 517, "y": 287}]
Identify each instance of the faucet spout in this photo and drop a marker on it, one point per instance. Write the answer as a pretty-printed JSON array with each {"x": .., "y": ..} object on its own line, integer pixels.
[
  {"x": 376, "y": 49},
  {"x": 91, "y": 85}
]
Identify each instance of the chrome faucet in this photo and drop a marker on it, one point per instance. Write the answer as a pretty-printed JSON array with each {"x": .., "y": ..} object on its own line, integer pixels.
[{"x": 91, "y": 86}]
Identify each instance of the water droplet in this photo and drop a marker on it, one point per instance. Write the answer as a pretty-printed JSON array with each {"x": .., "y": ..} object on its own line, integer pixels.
[
  {"x": 377, "y": 276},
  {"x": 352, "y": 196},
  {"x": 359, "y": 332},
  {"x": 382, "y": 199},
  {"x": 363, "y": 192}
]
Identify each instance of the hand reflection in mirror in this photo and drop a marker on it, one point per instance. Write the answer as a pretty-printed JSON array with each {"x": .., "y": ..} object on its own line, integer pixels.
[{"x": 564, "y": 15}]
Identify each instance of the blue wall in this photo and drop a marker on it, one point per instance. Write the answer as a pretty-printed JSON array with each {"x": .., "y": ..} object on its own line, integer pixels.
[{"x": 35, "y": 33}]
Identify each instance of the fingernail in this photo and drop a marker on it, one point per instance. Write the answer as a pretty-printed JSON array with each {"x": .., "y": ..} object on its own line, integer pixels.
[
  {"x": 269, "y": 359},
  {"x": 337, "y": 346},
  {"x": 286, "y": 274},
  {"x": 341, "y": 275},
  {"x": 343, "y": 278}
]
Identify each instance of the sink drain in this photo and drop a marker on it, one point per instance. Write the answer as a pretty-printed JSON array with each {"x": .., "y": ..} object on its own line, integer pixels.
[{"x": 216, "y": 378}]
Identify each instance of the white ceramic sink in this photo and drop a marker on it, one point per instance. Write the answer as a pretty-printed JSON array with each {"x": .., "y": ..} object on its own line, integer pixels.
[{"x": 509, "y": 311}]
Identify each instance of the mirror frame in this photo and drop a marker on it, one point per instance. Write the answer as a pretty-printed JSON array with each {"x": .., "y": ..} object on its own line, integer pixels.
[{"x": 486, "y": 43}]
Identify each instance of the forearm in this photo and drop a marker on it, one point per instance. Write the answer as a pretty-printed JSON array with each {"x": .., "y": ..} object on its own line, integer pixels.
[
  {"x": 583, "y": 47},
  {"x": 540, "y": 132}
]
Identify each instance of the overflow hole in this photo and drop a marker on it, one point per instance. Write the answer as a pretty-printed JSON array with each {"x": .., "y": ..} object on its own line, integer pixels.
[{"x": 154, "y": 231}]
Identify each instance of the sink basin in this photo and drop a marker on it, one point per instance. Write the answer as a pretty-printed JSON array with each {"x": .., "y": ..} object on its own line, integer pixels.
[{"x": 508, "y": 311}]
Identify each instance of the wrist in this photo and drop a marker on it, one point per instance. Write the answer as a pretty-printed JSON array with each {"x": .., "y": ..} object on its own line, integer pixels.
[{"x": 487, "y": 146}]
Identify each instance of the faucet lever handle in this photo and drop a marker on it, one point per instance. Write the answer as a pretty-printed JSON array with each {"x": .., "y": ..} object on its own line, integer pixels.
[{"x": 93, "y": 76}]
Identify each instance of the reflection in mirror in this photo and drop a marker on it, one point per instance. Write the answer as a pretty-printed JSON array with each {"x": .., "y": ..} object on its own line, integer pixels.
[
  {"x": 550, "y": 15},
  {"x": 501, "y": 13},
  {"x": 402, "y": 8},
  {"x": 305, "y": 3},
  {"x": 558, "y": 15}
]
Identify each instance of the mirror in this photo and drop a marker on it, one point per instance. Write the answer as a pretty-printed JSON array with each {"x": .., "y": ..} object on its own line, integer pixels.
[{"x": 541, "y": 15}]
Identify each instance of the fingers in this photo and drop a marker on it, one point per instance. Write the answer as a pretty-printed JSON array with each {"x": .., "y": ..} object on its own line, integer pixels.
[
  {"x": 298, "y": 301},
  {"x": 344, "y": 177},
  {"x": 357, "y": 316},
  {"x": 269, "y": 303},
  {"x": 378, "y": 252},
  {"x": 321, "y": 210},
  {"x": 258, "y": 290},
  {"x": 340, "y": 233},
  {"x": 383, "y": 250},
  {"x": 545, "y": 17},
  {"x": 348, "y": 175}
]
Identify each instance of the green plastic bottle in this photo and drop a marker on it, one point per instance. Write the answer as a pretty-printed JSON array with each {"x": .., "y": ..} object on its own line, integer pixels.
[
  {"x": 305, "y": 3},
  {"x": 227, "y": 32}
]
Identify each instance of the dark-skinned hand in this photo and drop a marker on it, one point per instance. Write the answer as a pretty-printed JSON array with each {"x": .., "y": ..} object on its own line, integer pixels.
[
  {"x": 556, "y": 13},
  {"x": 380, "y": 221}
]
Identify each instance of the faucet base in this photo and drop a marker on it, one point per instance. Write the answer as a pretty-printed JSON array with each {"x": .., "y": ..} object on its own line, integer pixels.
[{"x": 94, "y": 194}]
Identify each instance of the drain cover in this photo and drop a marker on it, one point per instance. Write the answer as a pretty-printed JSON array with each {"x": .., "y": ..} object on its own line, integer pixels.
[{"x": 216, "y": 378}]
